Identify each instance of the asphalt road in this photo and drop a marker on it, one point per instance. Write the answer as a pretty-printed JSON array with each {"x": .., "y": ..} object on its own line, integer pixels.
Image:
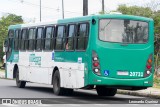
[{"x": 8, "y": 89}]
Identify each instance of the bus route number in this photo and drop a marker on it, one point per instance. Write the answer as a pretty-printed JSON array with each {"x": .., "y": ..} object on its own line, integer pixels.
[{"x": 136, "y": 74}]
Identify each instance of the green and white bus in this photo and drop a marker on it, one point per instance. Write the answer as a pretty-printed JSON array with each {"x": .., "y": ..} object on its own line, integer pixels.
[{"x": 105, "y": 52}]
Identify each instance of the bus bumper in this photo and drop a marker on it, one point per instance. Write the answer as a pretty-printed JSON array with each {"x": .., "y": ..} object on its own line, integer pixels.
[{"x": 106, "y": 81}]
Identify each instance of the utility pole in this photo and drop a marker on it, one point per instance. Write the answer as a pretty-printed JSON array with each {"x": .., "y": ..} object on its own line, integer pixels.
[
  {"x": 62, "y": 9},
  {"x": 85, "y": 7},
  {"x": 40, "y": 10},
  {"x": 103, "y": 6}
]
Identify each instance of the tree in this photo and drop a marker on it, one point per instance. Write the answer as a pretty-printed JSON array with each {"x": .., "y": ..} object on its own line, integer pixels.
[
  {"x": 135, "y": 10},
  {"x": 5, "y": 22}
]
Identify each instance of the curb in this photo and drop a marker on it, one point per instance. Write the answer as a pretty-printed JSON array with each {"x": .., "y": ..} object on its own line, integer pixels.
[{"x": 125, "y": 92}]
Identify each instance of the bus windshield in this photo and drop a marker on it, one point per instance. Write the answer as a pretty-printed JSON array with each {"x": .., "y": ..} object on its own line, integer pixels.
[{"x": 123, "y": 31}]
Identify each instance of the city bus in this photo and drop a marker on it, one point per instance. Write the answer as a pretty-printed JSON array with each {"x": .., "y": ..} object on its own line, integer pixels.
[{"x": 101, "y": 52}]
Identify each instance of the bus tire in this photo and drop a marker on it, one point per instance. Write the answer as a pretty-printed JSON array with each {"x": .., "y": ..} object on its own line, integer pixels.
[
  {"x": 20, "y": 84},
  {"x": 103, "y": 91},
  {"x": 56, "y": 84}
]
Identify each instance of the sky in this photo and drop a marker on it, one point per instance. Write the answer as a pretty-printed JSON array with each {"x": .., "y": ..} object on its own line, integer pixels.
[{"x": 52, "y": 9}]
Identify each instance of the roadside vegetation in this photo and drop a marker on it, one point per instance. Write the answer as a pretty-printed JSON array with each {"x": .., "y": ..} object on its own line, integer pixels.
[{"x": 157, "y": 82}]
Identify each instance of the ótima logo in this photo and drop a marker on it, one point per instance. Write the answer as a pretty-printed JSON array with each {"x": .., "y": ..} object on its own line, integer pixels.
[{"x": 106, "y": 72}]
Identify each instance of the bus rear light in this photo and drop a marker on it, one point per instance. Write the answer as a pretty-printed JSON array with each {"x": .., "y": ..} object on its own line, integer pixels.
[
  {"x": 95, "y": 63},
  {"x": 96, "y": 70},
  {"x": 95, "y": 58},
  {"x": 149, "y": 64},
  {"x": 149, "y": 61},
  {"x": 148, "y": 72}
]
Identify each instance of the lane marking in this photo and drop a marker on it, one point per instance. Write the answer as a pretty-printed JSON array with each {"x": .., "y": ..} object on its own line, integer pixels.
[
  {"x": 10, "y": 105},
  {"x": 101, "y": 104},
  {"x": 44, "y": 105},
  {"x": 75, "y": 105}
]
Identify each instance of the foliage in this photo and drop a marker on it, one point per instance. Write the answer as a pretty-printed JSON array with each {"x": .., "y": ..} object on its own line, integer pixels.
[
  {"x": 135, "y": 10},
  {"x": 156, "y": 82},
  {"x": 143, "y": 11},
  {"x": 5, "y": 22}
]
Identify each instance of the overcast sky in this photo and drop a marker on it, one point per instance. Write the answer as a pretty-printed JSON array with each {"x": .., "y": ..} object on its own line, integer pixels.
[{"x": 52, "y": 9}]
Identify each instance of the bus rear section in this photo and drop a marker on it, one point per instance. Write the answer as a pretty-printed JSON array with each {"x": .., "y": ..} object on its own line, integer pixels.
[{"x": 123, "y": 54}]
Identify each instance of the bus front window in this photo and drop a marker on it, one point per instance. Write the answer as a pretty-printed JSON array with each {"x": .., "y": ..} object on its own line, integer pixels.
[{"x": 123, "y": 31}]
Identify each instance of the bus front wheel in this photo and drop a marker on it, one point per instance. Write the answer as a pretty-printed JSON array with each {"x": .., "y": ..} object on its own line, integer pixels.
[
  {"x": 57, "y": 89},
  {"x": 19, "y": 83},
  {"x": 103, "y": 91}
]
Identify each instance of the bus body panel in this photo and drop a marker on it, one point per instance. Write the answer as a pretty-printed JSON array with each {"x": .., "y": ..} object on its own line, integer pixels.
[
  {"x": 121, "y": 57},
  {"x": 75, "y": 67}
]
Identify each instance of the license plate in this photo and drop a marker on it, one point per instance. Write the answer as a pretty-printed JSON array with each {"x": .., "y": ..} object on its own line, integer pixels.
[{"x": 124, "y": 73}]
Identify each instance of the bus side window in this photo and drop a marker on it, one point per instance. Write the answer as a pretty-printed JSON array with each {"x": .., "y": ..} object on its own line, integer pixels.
[
  {"x": 48, "y": 36},
  {"x": 59, "y": 37},
  {"x": 70, "y": 37},
  {"x": 26, "y": 40},
  {"x": 19, "y": 40},
  {"x": 23, "y": 38},
  {"x": 17, "y": 32},
  {"x": 82, "y": 37},
  {"x": 32, "y": 35},
  {"x": 39, "y": 37}
]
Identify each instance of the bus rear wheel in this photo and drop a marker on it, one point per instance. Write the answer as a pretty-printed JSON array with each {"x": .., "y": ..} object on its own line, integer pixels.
[
  {"x": 57, "y": 89},
  {"x": 103, "y": 91},
  {"x": 20, "y": 84}
]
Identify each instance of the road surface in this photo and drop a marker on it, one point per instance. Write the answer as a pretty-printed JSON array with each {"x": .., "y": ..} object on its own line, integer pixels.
[{"x": 8, "y": 89}]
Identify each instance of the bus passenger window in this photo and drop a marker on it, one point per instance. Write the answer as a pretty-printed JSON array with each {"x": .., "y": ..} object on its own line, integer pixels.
[
  {"x": 59, "y": 38},
  {"x": 32, "y": 35},
  {"x": 26, "y": 40},
  {"x": 82, "y": 37},
  {"x": 23, "y": 38},
  {"x": 16, "y": 40},
  {"x": 48, "y": 36},
  {"x": 70, "y": 38},
  {"x": 39, "y": 38}
]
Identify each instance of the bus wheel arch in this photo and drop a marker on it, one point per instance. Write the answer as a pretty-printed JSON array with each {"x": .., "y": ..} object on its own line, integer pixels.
[
  {"x": 56, "y": 82},
  {"x": 54, "y": 70}
]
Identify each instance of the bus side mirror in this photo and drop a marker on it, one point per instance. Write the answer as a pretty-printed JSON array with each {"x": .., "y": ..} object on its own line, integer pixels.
[{"x": 5, "y": 46}]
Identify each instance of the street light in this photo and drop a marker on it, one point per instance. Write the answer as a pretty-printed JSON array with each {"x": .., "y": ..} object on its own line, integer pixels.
[
  {"x": 62, "y": 9},
  {"x": 40, "y": 10}
]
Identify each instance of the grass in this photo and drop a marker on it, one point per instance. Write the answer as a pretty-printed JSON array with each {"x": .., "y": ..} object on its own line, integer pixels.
[{"x": 2, "y": 70}]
